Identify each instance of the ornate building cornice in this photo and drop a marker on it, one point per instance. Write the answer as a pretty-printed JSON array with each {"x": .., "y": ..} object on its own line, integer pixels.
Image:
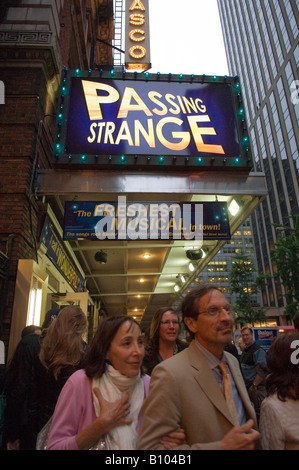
[
  {"x": 30, "y": 48},
  {"x": 25, "y": 37}
]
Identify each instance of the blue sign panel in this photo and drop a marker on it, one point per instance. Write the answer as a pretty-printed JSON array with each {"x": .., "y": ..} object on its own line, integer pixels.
[
  {"x": 59, "y": 257},
  {"x": 195, "y": 122},
  {"x": 265, "y": 336},
  {"x": 145, "y": 220}
]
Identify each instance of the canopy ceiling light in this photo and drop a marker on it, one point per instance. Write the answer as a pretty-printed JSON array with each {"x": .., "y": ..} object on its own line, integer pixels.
[
  {"x": 233, "y": 207},
  {"x": 101, "y": 257},
  {"x": 191, "y": 267}
]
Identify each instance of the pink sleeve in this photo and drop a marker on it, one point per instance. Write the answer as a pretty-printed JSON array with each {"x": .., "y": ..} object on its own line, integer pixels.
[{"x": 72, "y": 413}]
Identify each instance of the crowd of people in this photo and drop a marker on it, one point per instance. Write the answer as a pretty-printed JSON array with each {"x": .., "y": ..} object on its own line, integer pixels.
[{"x": 127, "y": 391}]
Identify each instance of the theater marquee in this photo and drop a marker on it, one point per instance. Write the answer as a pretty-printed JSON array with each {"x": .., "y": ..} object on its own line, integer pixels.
[{"x": 149, "y": 120}]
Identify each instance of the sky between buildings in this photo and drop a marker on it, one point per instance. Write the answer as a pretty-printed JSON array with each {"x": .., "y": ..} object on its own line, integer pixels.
[{"x": 186, "y": 37}]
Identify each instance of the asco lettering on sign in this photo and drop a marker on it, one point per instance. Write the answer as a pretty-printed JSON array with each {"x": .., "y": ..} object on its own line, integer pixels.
[{"x": 137, "y": 35}]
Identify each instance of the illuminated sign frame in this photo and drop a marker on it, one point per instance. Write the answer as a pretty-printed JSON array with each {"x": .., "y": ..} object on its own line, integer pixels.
[
  {"x": 137, "y": 43},
  {"x": 217, "y": 118}
]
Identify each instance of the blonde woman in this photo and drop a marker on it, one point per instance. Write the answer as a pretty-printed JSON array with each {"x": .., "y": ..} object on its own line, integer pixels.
[{"x": 60, "y": 356}]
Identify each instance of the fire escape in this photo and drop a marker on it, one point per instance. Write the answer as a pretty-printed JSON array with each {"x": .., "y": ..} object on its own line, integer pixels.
[{"x": 118, "y": 29}]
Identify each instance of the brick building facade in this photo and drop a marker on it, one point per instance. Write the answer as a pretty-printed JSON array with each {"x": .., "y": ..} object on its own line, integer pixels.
[{"x": 37, "y": 40}]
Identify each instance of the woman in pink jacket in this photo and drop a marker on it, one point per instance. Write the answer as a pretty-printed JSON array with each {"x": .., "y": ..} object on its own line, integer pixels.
[{"x": 99, "y": 406}]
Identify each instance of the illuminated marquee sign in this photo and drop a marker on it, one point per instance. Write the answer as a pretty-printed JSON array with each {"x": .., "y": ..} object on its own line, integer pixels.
[
  {"x": 137, "y": 45},
  {"x": 123, "y": 220},
  {"x": 124, "y": 119}
]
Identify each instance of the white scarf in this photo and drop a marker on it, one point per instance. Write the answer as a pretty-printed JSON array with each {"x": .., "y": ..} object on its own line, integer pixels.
[{"x": 112, "y": 385}]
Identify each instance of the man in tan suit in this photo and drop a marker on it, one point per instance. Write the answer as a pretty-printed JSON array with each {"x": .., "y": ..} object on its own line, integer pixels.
[{"x": 186, "y": 390}]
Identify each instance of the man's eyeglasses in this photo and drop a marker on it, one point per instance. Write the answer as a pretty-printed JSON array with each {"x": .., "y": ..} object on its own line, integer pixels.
[
  {"x": 169, "y": 322},
  {"x": 215, "y": 311}
]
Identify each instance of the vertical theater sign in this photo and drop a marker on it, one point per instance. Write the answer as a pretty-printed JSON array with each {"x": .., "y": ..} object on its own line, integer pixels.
[{"x": 137, "y": 43}]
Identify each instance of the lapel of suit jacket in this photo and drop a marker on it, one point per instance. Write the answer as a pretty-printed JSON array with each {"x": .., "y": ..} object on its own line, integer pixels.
[
  {"x": 237, "y": 376},
  {"x": 206, "y": 380}
]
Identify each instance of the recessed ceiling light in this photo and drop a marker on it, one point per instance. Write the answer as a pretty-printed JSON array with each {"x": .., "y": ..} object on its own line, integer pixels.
[
  {"x": 146, "y": 255},
  {"x": 233, "y": 207}
]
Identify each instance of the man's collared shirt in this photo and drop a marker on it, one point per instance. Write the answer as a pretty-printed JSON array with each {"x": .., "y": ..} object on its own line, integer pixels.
[{"x": 213, "y": 363}]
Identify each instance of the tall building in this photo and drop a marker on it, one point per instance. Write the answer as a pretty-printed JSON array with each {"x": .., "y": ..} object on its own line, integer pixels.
[
  {"x": 262, "y": 45},
  {"x": 218, "y": 270}
]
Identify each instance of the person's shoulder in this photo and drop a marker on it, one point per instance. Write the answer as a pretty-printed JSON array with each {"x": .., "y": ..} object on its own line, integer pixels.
[
  {"x": 270, "y": 399},
  {"x": 255, "y": 346},
  {"x": 77, "y": 383},
  {"x": 182, "y": 344},
  {"x": 175, "y": 362},
  {"x": 232, "y": 359},
  {"x": 271, "y": 404},
  {"x": 79, "y": 376}
]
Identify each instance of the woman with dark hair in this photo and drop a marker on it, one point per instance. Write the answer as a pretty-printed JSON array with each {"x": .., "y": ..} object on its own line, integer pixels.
[
  {"x": 99, "y": 406},
  {"x": 279, "y": 418},
  {"x": 22, "y": 414},
  {"x": 163, "y": 339}
]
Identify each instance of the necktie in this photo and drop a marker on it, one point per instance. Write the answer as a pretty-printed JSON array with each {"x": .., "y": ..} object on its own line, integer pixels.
[{"x": 228, "y": 392}]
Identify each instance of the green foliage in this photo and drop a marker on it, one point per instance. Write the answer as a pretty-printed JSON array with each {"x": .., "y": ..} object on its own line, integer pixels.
[
  {"x": 244, "y": 283},
  {"x": 285, "y": 256}
]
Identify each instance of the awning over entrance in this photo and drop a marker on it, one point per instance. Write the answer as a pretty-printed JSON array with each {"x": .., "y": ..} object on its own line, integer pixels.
[{"x": 140, "y": 276}]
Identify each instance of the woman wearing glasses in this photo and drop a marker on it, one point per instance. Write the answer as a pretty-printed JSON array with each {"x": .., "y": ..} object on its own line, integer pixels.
[{"x": 163, "y": 339}]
